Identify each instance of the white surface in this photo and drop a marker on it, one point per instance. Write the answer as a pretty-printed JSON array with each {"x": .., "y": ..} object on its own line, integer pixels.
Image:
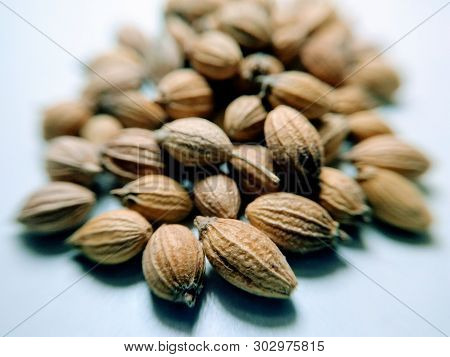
[{"x": 333, "y": 298}]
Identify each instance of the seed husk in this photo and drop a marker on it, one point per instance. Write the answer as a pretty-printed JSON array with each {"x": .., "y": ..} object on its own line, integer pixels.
[
  {"x": 56, "y": 207},
  {"x": 185, "y": 93},
  {"x": 158, "y": 198},
  {"x": 101, "y": 128},
  {"x": 333, "y": 130},
  {"x": 259, "y": 64},
  {"x": 366, "y": 124},
  {"x": 342, "y": 197},
  {"x": 197, "y": 142},
  {"x": 299, "y": 90},
  {"x": 247, "y": 22},
  {"x": 134, "y": 110},
  {"x": 394, "y": 199},
  {"x": 389, "y": 152},
  {"x": 351, "y": 99},
  {"x": 215, "y": 55},
  {"x": 244, "y": 118},
  {"x": 246, "y": 257},
  {"x": 293, "y": 141},
  {"x": 174, "y": 264},
  {"x": 253, "y": 181},
  {"x": 131, "y": 154},
  {"x": 217, "y": 196},
  {"x": 295, "y": 223},
  {"x": 113, "y": 237},
  {"x": 72, "y": 159},
  {"x": 65, "y": 118}
]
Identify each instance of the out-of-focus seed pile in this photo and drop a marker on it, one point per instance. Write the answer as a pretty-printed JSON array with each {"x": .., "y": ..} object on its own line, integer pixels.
[{"x": 236, "y": 108}]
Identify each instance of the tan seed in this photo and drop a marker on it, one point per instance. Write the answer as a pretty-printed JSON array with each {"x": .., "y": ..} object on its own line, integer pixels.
[
  {"x": 217, "y": 196},
  {"x": 246, "y": 257},
  {"x": 174, "y": 264},
  {"x": 113, "y": 237},
  {"x": 158, "y": 198},
  {"x": 366, "y": 124},
  {"x": 333, "y": 130},
  {"x": 101, "y": 128}
]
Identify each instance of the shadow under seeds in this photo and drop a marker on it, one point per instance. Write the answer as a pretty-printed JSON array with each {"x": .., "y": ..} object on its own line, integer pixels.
[
  {"x": 254, "y": 309},
  {"x": 119, "y": 275},
  {"x": 46, "y": 244},
  {"x": 403, "y": 236},
  {"x": 177, "y": 316},
  {"x": 315, "y": 264},
  {"x": 356, "y": 241}
]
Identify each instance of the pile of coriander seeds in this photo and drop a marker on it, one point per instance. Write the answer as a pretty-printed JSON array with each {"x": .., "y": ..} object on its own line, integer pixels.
[{"x": 255, "y": 107}]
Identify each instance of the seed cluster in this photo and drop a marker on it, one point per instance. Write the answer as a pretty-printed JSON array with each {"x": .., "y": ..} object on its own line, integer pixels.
[{"x": 252, "y": 99}]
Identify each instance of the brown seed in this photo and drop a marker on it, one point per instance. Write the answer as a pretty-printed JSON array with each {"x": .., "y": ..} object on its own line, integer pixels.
[
  {"x": 295, "y": 223},
  {"x": 341, "y": 196},
  {"x": 375, "y": 75},
  {"x": 394, "y": 199},
  {"x": 299, "y": 90},
  {"x": 191, "y": 10},
  {"x": 366, "y": 124},
  {"x": 246, "y": 257},
  {"x": 65, "y": 118},
  {"x": 185, "y": 93},
  {"x": 113, "y": 237},
  {"x": 101, "y": 128},
  {"x": 327, "y": 54},
  {"x": 132, "y": 154},
  {"x": 158, "y": 198},
  {"x": 174, "y": 264},
  {"x": 197, "y": 142},
  {"x": 134, "y": 39},
  {"x": 292, "y": 27},
  {"x": 215, "y": 55},
  {"x": 73, "y": 159},
  {"x": 118, "y": 57},
  {"x": 247, "y": 22},
  {"x": 389, "y": 152},
  {"x": 253, "y": 181},
  {"x": 333, "y": 130},
  {"x": 134, "y": 110},
  {"x": 217, "y": 196},
  {"x": 351, "y": 99},
  {"x": 56, "y": 207},
  {"x": 183, "y": 34},
  {"x": 244, "y": 118},
  {"x": 292, "y": 140},
  {"x": 259, "y": 64}
]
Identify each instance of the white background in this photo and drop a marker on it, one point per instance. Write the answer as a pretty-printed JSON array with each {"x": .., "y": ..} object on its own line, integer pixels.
[{"x": 334, "y": 297}]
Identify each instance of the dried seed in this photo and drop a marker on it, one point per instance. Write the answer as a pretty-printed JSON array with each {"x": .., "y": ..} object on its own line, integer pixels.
[
  {"x": 389, "y": 152},
  {"x": 73, "y": 159},
  {"x": 217, "y": 196},
  {"x": 299, "y": 90},
  {"x": 65, "y": 118},
  {"x": 158, "y": 198},
  {"x": 294, "y": 223},
  {"x": 113, "y": 237},
  {"x": 292, "y": 140},
  {"x": 247, "y": 22},
  {"x": 351, "y": 99},
  {"x": 185, "y": 93},
  {"x": 366, "y": 124},
  {"x": 333, "y": 130},
  {"x": 246, "y": 257},
  {"x": 341, "y": 196},
  {"x": 101, "y": 128},
  {"x": 215, "y": 55},
  {"x": 134, "y": 110},
  {"x": 253, "y": 181},
  {"x": 174, "y": 264},
  {"x": 191, "y": 10},
  {"x": 244, "y": 118},
  {"x": 259, "y": 64},
  {"x": 183, "y": 34},
  {"x": 394, "y": 199},
  {"x": 197, "y": 142},
  {"x": 56, "y": 207},
  {"x": 132, "y": 154}
]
